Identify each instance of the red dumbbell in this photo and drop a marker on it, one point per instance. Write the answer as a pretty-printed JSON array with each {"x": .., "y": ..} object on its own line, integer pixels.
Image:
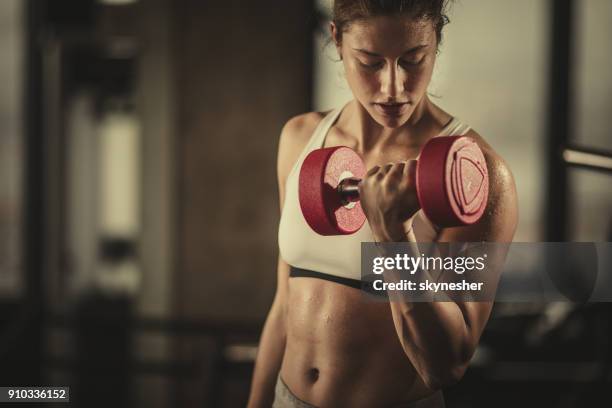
[{"x": 452, "y": 185}]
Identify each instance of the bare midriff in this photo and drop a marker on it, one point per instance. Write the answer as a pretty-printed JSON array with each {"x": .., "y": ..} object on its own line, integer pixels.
[{"x": 342, "y": 349}]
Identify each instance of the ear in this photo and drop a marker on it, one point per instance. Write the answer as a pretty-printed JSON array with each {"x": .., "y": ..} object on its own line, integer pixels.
[{"x": 335, "y": 37}]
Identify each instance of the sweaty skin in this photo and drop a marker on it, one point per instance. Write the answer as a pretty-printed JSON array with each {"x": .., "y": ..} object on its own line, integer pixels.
[{"x": 330, "y": 345}]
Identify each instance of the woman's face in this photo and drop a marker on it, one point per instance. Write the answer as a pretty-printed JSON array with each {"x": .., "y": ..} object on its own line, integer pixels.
[{"x": 388, "y": 63}]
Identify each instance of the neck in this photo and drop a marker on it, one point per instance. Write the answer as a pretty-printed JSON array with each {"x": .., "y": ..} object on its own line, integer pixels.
[{"x": 371, "y": 135}]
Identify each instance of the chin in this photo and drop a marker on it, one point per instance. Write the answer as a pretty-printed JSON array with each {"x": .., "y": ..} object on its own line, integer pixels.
[{"x": 392, "y": 122}]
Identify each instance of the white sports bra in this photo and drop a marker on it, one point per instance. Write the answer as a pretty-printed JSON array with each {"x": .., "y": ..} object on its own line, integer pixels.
[{"x": 335, "y": 258}]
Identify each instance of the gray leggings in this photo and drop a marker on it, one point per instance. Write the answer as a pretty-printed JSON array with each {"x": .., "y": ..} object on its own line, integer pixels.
[{"x": 284, "y": 398}]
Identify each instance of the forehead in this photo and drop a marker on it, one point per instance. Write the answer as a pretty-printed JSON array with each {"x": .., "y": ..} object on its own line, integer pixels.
[{"x": 392, "y": 34}]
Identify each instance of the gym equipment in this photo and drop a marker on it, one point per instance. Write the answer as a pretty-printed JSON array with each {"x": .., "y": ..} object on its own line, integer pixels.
[{"x": 452, "y": 185}]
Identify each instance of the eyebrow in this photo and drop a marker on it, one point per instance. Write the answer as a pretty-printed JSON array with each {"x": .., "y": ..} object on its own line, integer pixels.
[{"x": 373, "y": 54}]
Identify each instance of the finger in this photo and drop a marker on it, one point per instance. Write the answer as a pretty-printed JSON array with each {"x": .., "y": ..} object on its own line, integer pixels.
[
  {"x": 397, "y": 170},
  {"x": 372, "y": 171},
  {"x": 386, "y": 168},
  {"x": 409, "y": 173},
  {"x": 394, "y": 176}
]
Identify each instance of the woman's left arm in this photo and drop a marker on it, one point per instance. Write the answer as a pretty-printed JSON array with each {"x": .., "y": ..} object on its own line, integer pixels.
[{"x": 440, "y": 337}]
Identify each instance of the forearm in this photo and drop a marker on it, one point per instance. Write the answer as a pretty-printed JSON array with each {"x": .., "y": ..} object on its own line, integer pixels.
[
  {"x": 269, "y": 358},
  {"x": 434, "y": 335}
]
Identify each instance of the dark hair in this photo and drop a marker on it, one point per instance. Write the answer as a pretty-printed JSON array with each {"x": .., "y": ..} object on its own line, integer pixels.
[{"x": 346, "y": 12}]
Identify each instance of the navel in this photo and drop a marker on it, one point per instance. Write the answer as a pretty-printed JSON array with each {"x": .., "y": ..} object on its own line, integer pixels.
[{"x": 313, "y": 375}]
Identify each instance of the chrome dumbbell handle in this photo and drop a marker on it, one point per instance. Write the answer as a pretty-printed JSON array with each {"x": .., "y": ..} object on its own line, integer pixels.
[{"x": 349, "y": 190}]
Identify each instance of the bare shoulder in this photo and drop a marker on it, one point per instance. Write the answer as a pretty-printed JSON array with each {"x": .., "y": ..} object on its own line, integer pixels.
[{"x": 293, "y": 139}]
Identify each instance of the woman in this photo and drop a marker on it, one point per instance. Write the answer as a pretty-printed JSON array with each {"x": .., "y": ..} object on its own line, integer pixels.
[{"x": 323, "y": 344}]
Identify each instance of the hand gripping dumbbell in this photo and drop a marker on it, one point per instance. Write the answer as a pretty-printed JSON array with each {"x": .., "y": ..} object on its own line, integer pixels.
[{"x": 452, "y": 185}]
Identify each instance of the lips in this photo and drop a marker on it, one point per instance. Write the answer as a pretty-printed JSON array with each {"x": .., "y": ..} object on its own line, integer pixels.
[{"x": 391, "y": 109}]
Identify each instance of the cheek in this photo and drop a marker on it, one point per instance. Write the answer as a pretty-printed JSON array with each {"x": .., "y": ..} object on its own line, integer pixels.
[
  {"x": 361, "y": 82},
  {"x": 417, "y": 81}
]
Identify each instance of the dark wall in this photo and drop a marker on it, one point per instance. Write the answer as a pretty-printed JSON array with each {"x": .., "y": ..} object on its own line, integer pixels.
[{"x": 242, "y": 69}]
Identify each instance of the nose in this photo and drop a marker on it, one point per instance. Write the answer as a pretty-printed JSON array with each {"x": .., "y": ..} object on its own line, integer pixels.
[{"x": 392, "y": 82}]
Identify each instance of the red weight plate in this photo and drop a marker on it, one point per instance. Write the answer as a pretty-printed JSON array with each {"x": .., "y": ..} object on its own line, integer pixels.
[
  {"x": 470, "y": 189},
  {"x": 321, "y": 204},
  {"x": 452, "y": 181}
]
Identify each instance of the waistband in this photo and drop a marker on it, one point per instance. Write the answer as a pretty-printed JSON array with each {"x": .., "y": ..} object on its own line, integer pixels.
[{"x": 284, "y": 398}]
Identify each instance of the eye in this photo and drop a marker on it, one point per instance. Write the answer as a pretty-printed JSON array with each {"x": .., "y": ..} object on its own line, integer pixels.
[
  {"x": 371, "y": 65},
  {"x": 411, "y": 62}
]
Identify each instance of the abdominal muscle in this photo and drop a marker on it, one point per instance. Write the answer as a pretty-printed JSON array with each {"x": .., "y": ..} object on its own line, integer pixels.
[{"x": 342, "y": 349}]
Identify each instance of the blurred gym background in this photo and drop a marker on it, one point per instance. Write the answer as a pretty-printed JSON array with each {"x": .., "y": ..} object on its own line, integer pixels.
[{"x": 138, "y": 198}]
